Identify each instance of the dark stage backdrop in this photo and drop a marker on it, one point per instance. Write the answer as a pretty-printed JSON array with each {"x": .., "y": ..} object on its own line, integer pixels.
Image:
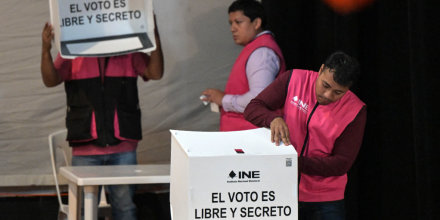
[{"x": 396, "y": 174}]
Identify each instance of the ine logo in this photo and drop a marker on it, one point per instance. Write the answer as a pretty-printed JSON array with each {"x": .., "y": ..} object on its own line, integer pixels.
[
  {"x": 299, "y": 104},
  {"x": 244, "y": 176}
]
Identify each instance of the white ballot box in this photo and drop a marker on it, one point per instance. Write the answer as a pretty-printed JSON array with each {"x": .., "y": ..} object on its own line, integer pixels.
[{"x": 232, "y": 175}]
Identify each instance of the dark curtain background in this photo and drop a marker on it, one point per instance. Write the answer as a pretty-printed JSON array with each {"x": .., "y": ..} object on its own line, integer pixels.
[{"x": 396, "y": 173}]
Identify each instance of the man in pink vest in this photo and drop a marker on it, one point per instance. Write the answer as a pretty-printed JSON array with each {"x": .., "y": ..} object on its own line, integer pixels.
[
  {"x": 103, "y": 117},
  {"x": 325, "y": 123},
  {"x": 258, "y": 64}
]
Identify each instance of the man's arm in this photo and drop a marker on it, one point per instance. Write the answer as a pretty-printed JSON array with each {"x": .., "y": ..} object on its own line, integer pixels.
[
  {"x": 155, "y": 67},
  {"x": 48, "y": 73},
  {"x": 261, "y": 111},
  {"x": 344, "y": 153}
]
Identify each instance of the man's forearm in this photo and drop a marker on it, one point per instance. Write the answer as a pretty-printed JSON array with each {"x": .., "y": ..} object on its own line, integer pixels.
[
  {"x": 48, "y": 72},
  {"x": 262, "y": 110},
  {"x": 258, "y": 113},
  {"x": 155, "y": 67}
]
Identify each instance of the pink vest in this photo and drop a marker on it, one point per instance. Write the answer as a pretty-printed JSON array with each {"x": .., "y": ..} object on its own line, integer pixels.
[
  {"x": 238, "y": 83},
  {"x": 326, "y": 125},
  {"x": 88, "y": 67},
  {"x": 117, "y": 66}
]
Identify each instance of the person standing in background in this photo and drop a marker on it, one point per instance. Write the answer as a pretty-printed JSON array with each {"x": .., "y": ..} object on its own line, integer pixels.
[{"x": 258, "y": 64}]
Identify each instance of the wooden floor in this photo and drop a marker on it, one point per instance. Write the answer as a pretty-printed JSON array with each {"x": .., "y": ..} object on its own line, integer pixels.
[{"x": 151, "y": 206}]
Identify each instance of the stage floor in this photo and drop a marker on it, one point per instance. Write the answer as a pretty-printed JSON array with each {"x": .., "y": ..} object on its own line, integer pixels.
[{"x": 151, "y": 206}]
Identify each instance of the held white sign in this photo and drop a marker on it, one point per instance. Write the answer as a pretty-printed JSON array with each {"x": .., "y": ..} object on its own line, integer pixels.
[
  {"x": 102, "y": 27},
  {"x": 232, "y": 175}
]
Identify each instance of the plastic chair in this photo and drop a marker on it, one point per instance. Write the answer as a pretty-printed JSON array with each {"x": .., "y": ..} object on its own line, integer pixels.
[{"x": 58, "y": 146}]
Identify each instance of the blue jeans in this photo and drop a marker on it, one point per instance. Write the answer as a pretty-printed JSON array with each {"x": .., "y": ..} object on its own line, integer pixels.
[
  {"x": 120, "y": 196},
  {"x": 333, "y": 210}
]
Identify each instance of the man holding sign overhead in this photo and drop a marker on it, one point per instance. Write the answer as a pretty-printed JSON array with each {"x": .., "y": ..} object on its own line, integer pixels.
[{"x": 103, "y": 116}]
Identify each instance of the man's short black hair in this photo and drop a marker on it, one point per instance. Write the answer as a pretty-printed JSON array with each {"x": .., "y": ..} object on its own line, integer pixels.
[
  {"x": 251, "y": 9},
  {"x": 345, "y": 68}
]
